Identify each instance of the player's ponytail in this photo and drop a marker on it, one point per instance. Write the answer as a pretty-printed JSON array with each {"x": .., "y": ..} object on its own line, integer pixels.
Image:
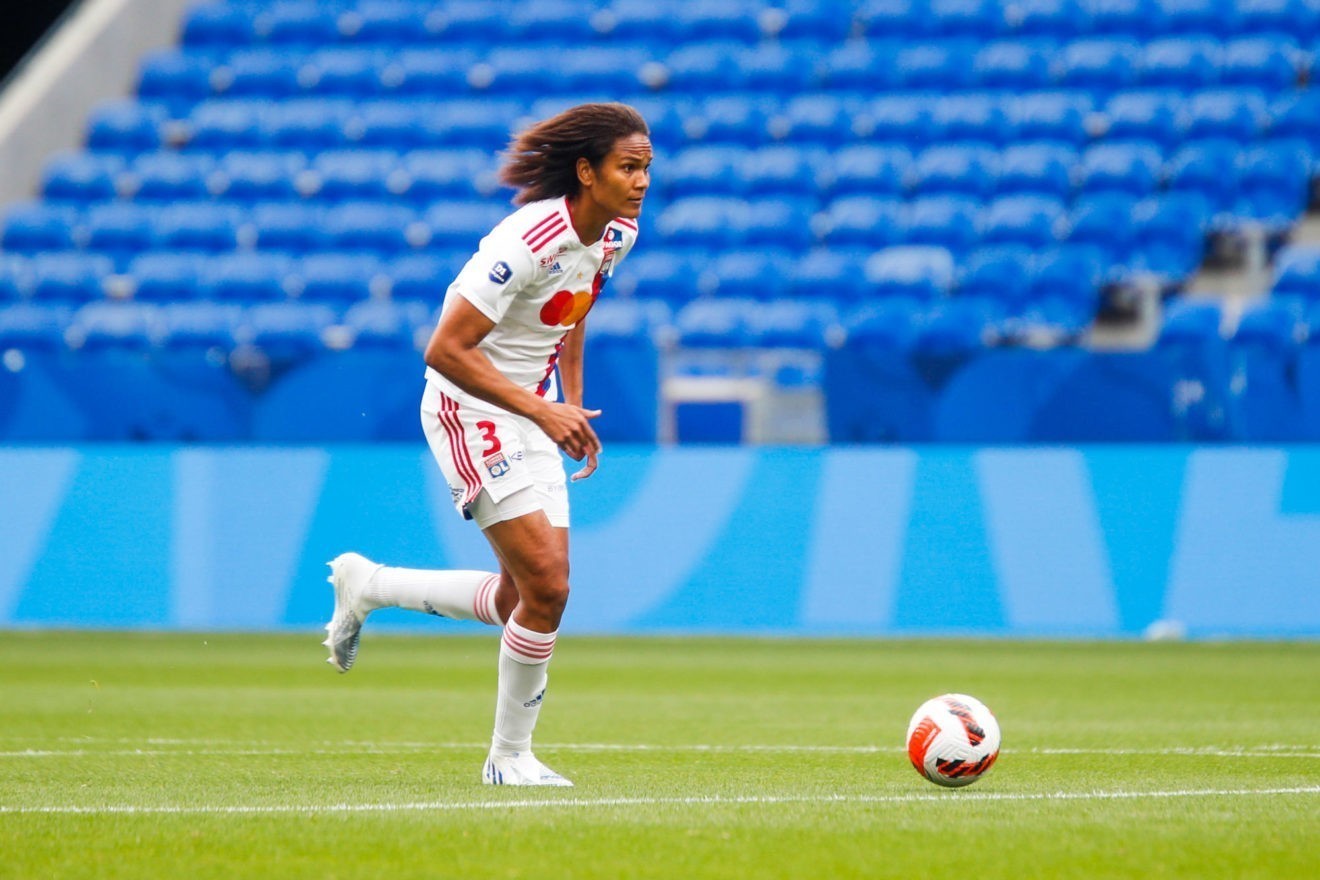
[{"x": 541, "y": 161}]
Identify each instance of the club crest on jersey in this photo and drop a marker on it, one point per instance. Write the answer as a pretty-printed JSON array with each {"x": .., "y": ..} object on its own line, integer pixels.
[
  {"x": 500, "y": 273},
  {"x": 497, "y": 464}
]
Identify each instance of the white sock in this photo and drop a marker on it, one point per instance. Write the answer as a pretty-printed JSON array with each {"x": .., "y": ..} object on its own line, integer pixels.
[
  {"x": 524, "y": 656},
  {"x": 458, "y": 595}
]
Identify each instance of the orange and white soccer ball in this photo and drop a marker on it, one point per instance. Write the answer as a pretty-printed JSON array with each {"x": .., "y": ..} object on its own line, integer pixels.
[{"x": 953, "y": 740}]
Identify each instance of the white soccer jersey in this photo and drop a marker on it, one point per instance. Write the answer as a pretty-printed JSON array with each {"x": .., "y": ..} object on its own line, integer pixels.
[{"x": 535, "y": 279}]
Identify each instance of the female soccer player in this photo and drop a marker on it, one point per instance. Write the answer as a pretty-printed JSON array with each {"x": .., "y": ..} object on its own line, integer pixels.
[{"x": 513, "y": 317}]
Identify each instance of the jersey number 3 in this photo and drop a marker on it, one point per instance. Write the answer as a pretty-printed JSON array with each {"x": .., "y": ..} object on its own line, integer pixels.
[{"x": 487, "y": 429}]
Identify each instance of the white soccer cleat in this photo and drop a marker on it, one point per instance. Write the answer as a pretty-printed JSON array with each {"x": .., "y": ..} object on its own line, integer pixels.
[
  {"x": 520, "y": 768},
  {"x": 349, "y": 573}
]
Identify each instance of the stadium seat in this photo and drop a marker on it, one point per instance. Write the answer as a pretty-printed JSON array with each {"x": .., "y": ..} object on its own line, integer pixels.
[
  {"x": 702, "y": 68},
  {"x": 297, "y": 24},
  {"x": 1271, "y": 17},
  {"x": 957, "y": 327},
  {"x": 1179, "y": 63},
  {"x": 903, "y": 120},
  {"x": 259, "y": 74},
  {"x": 1058, "y": 19},
  {"x": 998, "y": 272},
  {"x": 374, "y": 226},
  {"x": 69, "y": 277},
  {"x": 785, "y": 171},
  {"x": 862, "y": 66},
  {"x": 1197, "y": 16},
  {"x": 744, "y": 274},
  {"x": 311, "y": 124},
  {"x": 702, "y": 22},
  {"x": 774, "y": 222},
  {"x": 709, "y": 169},
  {"x": 430, "y": 72},
  {"x": 219, "y": 126},
  {"x": 1131, "y": 169},
  {"x": 1297, "y": 273},
  {"x": 715, "y": 323},
  {"x": 1050, "y": 116},
  {"x": 1102, "y": 66},
  {"x": 701, "y": 221},
  {"x": 175, "y": 78},
  {"x": 1131, "y": 18},
  {"x": 1207, "y": 168},
  {"x": 1026, "y": 220},
  {"x": 1272, "y": 185},
  {"x": 247, "y": 277},
  {"x": 1260, "y": 62},
  {"x": 1272, "y": 325},
  {"x": 198, "y": 226},
  {"x": 288, "y": 226},
  {"x": 30, "y": 227},
  {"x": 388, "y": 325},
  {"x": 188, "y": 326},
  {"x": 287, "y": 332},
  {"x": 833, "y": 274},
  {"x": 32, "y": 327},
  {"x": 81, "y": 177},
  {"x": 166, "y": 276},
  {"x": 341, "y": 71},
  {"x": 863, "y": 221},
  {"x": 15, "y": 279},
  {"x": 914, "y": 272},
  {"x": 217, "y": 26},
  {"x": 1190, "y": 322},
  {"x": 1036, "y": 168},
  {"x": 429, "y": 175},
  {"x": 937, "y": 67},
  {"x": 883, "y": 326},
  {"x": 947, "y": 221},
  {"x": 339, "y": 175},
  {"x": 1071, "y": 275},
  {"x": 120, "y": 229},
  {"x": 1104, "y": 221},
  {"x": 957, "y": 170},
  {"x": 1169, "y": 234},
  {"x": 119, "y": 325},
  {"x": 1237, "y": 114},
  {"x": 814, "y": 119},
  {"x": 168, "y": 176},
  {"x": 125, "y": 126},
  {"x": 1147, "y": 116},
  {"x": 972, "y": 118},
  {"x": 794, "y": 323},
  {"x": 896, "y": 19},
  {"x": 868, "y": 169},
  {"x": 462, "y": 224},
  {"x": 244, "y": 176},
  {"x": 422, "y": 277},
  {"x": 336, "y": 278},
  {"x": 458, "y": 24},
  {"x": 1012, "y": 65},
  {"x": 657, "y": 273},
  {"x": 980, "y": 19}
]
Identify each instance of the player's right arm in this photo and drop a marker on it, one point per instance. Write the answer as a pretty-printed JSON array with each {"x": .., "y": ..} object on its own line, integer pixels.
[{"x": 453, "y": 352}]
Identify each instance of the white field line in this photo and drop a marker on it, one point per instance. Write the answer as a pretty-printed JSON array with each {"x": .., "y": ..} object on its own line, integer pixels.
[
  {"x": 948, "y": 797},
  {"x": 206, "y": 748}
]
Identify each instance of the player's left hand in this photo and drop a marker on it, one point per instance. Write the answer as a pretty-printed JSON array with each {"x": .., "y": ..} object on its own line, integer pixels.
[{"x": 587, "y": 470}]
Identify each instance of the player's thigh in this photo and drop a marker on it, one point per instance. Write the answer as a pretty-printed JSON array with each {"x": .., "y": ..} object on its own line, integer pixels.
[{"x": 531, "y": 550}]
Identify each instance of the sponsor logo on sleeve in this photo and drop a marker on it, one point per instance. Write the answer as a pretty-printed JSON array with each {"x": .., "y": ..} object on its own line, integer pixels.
[{"x": 500, "y": 273}]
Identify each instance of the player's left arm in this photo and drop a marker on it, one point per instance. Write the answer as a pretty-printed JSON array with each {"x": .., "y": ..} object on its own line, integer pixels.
[{"x": 570, "y": 380}]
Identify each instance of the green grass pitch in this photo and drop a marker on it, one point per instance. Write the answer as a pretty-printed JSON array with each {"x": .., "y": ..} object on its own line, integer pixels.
[{"x": 223, "y": 756}]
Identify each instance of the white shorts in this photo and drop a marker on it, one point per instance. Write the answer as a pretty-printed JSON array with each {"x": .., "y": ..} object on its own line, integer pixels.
[{"x": 498, "y": 465}]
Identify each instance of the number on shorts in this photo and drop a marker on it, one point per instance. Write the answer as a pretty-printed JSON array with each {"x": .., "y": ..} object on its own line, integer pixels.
[{"x": 487, "y": 429}]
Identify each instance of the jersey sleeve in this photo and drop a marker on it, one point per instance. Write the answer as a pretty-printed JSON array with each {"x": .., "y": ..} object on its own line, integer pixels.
[{"x": 495, "y": 275}]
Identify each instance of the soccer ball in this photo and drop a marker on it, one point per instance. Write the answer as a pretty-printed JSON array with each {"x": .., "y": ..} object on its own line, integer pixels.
[{"x": 953, "y": 740}]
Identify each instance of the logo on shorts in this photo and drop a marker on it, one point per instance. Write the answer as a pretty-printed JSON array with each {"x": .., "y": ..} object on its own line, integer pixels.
[
  {"x": 500, "y": 272},
  {"x": 496, "y": 464}
]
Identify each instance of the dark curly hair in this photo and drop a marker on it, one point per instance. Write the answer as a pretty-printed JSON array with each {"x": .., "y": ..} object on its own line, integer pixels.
[{"x": 541, "y": 161}]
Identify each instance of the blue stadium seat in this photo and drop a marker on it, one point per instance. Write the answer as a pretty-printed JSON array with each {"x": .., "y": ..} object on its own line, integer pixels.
[
  {"x": 970, "y": 117},
  {"x": 556, "y": 21},
  {"x": 69, "y": 277},
  {"x": 1191, "y": 322},
  {"x": 1237, "y": 114},
  {"x": 715, "y": 323},
  {"x": 258, "y": 73},
  {"x": 247, "y": 277},
  {"x": 388, "y": 325},
  {"x": 657, "y": 273},
  {"x": 806, "y": 20},
  {"x": 474, "y": 123},
  {"x": 916, "y": 272},
  {"x": 958, "y": 327},
  {"x": 167, "y": 276},
  {"x": 1150, "y": 116},
  {"x": 1000, "y": 272},
  {"x": 883, "y": 326},
  {"x": 190, "y": 326},
  {"x": 795, "y": 323},
  {"x": 738, "y": 118},
  {"x": 287, "y": 332},
  {"x": 387, "y": 23},
  {"x": 1180, "y": 63},
  {"x": 383, "y": 227},
  {"x": 1050, "y": 116},
  {"x": 701, "y": 221},
  {"x": 125, "y": 126},
  {"x": 168, "y": 176},
  {"x": 979, "y": 19},
  {"x": 867, "y": 169},
  {"x": 174, "y": 78},
  {"x": 1272, "y": 17},
  {"x": 429, "y": 175},
  {"x": 1260, "y": 62},
  {"x": 896, "y": 19},
  {"x": 246, "y": 176},
  {"x": 1271, "y": 324},
  {"x": 339, "y": 175},
  {"x": 865, "y": 66},
  {"x": 82, "y": 177},
  {"x": 1026, "y": 220},
  {"x": 1130, "y": 168},
  {"x": 1071, "y": 275},
  {"x": 462, "y": 224},
  {"x": 709, "y": 169},
  {"x": 702, "y": 68},
  {"x": 1297, "y": 273},
  {"x": 33, "y": 327},
  {"x": 348, "y": 72},
  {"x": 1272, "y": 185},
  {"x": 1296, "y": 115},
  {"x": 938, "y": 67},
  {"x": 746, "y": 274},
  {"x": 1058, "y": 19},
  {"x": 774, "y": 222},
  {"x": 15, "y": 279},
  {"x": 958, "y": 170},
  {"x": 1011, "y": 64},
  {"x": 30, "y": 227},
  {"x": 947, "y": 221},
  {"x": 1104, "y": 221},
  {"x": 631, "y": 20},
  {"x": 705, "y": 22},
  {"x": 198, "y": 226},
  {"x": 288, "y": 226},
  {"x": 120, "y": 229},
  {"x": 814, "y": 118},
  {"x": 306, "y": 124},
  {"x": 899, "y": 119},
  {"x": 226, "y": 125},
  {"x": 335, "y": 277},
  {"x": 1169, "y": 234},
  {"x": 1139, "y": 18},
  {"x": 779, "y": 67},
  {"x": 119, "y": 325},
  {"x": 862, "y": 221},
  {"x": 1198, "y": 16},
  {"x": 1037, "y": 168},
  {"x": 217, "y": 26},
  {"x": 428, "y": 72},
  {"x": 785, "y": 170},
  {"x": 422, "y": 277},
  {"x": 1208, "y": 168},
  {"x": 834, "y": 274},
  {"x": 468, "y": 23},
  {"x": 297, "y": 24},
  {"x": 1102, "y": 66}
]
